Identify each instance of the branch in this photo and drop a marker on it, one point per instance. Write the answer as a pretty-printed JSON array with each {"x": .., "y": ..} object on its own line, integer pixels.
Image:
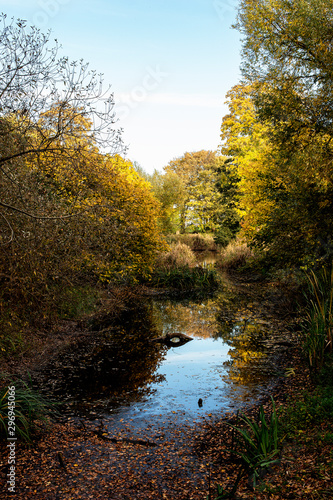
[
  {"x": 37, "y": 216},
  {"x": 10, "y": 227}
]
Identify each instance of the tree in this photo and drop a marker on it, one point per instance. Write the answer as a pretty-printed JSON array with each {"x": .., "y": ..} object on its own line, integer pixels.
[
  {"x": 280, "y": 127},
  {"x": 71, "y": 214},
  {"x": 227, "y": 216},
  {"x": 197, "y": 171},
  {"x": 42, "y": 100},
  {"x": 170, "y": 190}
]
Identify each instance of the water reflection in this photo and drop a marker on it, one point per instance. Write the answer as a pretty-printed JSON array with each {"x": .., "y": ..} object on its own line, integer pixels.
[
  {"x": 206, "y": 259},
  {"x": 121, "y": 372},
  {"x": 109, "y": 368},
  {"x": 195, "y": 317}
]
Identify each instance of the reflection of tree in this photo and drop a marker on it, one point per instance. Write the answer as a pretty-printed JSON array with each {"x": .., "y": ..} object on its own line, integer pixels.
[
  {"x": 242, "y": 329},
  {"x": 112, "y": 365},
  {"x": 196, "y": 319},
  {"x": 250, "y": 362}
]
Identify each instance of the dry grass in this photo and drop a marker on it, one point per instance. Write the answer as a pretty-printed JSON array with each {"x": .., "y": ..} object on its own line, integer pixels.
[
  {"x": 235, "y": 255},
  {"x": 179, "y": 255},
  {"x": 196, "y": 242}
]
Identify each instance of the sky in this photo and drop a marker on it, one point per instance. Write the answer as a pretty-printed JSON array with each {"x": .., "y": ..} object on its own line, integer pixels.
[{"x": 170, "y": 64}]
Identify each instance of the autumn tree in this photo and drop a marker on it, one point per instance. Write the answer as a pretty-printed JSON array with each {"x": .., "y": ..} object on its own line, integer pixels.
[
  {"x": 169, "y": 189},
  {"x": 33, "y": 81},
  {"x": 72, "y": 212},
  {"x": 280, "y": 127},
  {"x": 197, "y": 170}
]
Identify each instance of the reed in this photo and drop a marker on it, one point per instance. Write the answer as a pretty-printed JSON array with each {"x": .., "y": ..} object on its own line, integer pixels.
[
  {"x": 318, "y": 322},
  {"x": 197, "y": 242},
  {"x": 235, "y": 255},
  {"x": 31, "y": 410},
  {"x": 179, "y": 255}
]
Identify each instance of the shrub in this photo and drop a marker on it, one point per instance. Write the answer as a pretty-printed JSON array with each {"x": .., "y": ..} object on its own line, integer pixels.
[{"x": 223, "y": 237}]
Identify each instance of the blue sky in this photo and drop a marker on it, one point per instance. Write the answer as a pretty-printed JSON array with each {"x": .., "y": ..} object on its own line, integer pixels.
[{"x": 170, "y": 64}]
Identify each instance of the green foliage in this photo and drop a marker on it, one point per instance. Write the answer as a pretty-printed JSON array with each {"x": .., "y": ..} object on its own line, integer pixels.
[
  {"x": 31, "y": 410},
  {"x": 258, "y": 446},
  {"x": 185, "y": 278},
  {"x": 318, "y": 321},
  {"x": 227, "y": 216},
  {"x": 223, "y": 236},
  {"x": 310, "y": 409}
]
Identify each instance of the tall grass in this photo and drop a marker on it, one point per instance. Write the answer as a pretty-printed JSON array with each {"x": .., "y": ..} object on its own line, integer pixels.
[
  {"x": 197, "y": 242},
  {"x": 318, "y": 323},
  {"x": 235, "y": 255},
  {"x": 31, "y": 409},
  {"x": 178, "y": 269},
  {"x": 186, "y": 278},
  {"x": 179, "y": 255}
]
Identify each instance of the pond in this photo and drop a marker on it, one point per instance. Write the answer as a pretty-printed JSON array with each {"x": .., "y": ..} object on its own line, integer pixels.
[{"x": 123, "y": 376}]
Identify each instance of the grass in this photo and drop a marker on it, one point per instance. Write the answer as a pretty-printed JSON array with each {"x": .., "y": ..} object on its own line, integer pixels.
[
  {"x": 311, "y": 409},
  {"x": 318, "y": 324},
  {"x": 31, "y": 409},
  {"x": 177, "y": 269},
  {"x": 197, "y": 242},
  {"x": 186, "y": 278},
  {"x": 179, "y": 255},
  {"x": 236, "y": 255}
]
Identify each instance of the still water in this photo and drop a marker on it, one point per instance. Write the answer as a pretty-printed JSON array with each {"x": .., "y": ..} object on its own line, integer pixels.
[
  {"x": 222, "y": 368},
  {"x": 125, "y": 376}
]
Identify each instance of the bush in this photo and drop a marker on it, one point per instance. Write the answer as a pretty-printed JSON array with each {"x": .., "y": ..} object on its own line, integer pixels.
[{"x": 223, "y": 237}]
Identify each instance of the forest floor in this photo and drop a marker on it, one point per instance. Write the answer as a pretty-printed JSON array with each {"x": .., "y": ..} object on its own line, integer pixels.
[{"x": 80, "y": 459}]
